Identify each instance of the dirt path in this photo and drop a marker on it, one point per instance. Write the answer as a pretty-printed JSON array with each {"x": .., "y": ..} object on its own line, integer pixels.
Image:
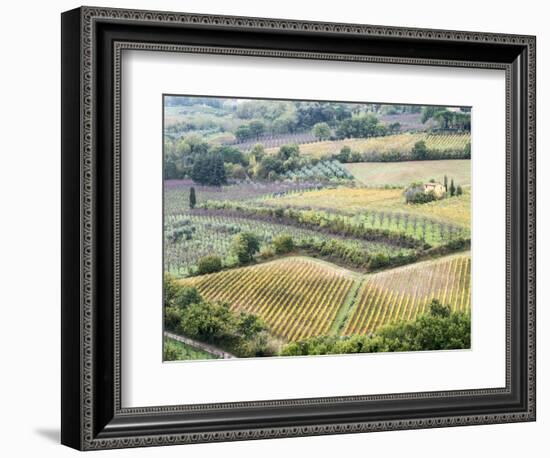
[
  {"x": 200, "y": 345},
  {"x": 346, "y": 309}
]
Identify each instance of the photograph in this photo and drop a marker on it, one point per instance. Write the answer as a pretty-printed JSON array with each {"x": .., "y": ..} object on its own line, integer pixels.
[{"x": 314, "y": 227}]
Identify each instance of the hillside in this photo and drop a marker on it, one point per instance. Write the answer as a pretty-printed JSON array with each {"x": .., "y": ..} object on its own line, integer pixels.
[
  {"x": 300, "y": 297},
  {"x": 405, "y": 292},
  {"x": 297, "y": 297}
]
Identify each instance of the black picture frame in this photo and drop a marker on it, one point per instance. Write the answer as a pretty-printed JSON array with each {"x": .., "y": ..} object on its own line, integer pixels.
[{"x": 92, "y": 40}]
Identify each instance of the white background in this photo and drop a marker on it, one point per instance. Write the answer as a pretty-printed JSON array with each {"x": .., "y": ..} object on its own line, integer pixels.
[
  {"x": 147, "y": 76},
  {"x": 30, "y": 245}
]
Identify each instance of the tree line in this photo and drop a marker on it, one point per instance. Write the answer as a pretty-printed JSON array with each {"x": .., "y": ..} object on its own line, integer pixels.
[
  {"x": 211, "y": 165},
  {"x": 448, "y": 120}
]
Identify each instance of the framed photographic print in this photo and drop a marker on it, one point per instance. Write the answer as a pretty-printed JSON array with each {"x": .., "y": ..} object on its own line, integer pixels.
[{"x": 278, "y": 228}]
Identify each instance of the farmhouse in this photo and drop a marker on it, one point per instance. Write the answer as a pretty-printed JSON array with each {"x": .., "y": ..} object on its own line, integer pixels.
[{"x": 437, "y": 188}]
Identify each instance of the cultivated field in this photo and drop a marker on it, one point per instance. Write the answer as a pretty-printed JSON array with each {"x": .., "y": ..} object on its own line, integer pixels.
[
  {"x": 341, "y": 198},
  {"x": 453, "y": 210},
  {"x": 300, "y": 297},
  {"x": 403, "y": 173},
  {"x": 402, "y": 143},
  {"x": 297, "y": 297},
  {"x": 403, "y": 293},
  {"x": 444, "y": 142},
  {"x": 176, "y": 192},
  {"x": 191, "y": 236}
]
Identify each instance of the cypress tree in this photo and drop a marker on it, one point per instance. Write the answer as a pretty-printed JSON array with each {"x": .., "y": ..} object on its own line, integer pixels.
[
  {"x": 192, "y": 198},
  {"x": 452, "y": 188},
  {"x": 445, "y": 183}
]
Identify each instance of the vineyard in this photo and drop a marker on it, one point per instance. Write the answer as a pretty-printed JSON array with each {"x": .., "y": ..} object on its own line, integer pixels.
[
  {"x": 192, "y": 235},
  {"x": 404, "y": 293},
  {"x": 176, "y": 192},
  {"x": 382, "y": 208},
  {"x": 323, "y": 170},
  {"x": 297, "y": 297},
  {"x": 447, "y": 142},
  {"x": 189, "y": 237},
  {"x": 275, "y": 141},
  {"x": 300, "y": 297},
  {"x": 402, "y": 143}
]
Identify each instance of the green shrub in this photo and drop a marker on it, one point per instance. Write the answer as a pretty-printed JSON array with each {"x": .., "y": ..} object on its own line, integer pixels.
[
  {"x": 423, "y": 197},
  {"x": 266, "y": 252},
  {"x": 283, "y": 244},
  {"x": 436, "y": 308},
  {"x": 260, "y": 344},
  {"x": 209, "y": 264},
  {"x": 379, "y": 260},
  {"x": 420, "y": 150},
  {"x": 344, "y": 154},
  {"x": 170, "y": 288},
  {"x": 244, "y": 246},
  {"x": 209, "y": 322},
  {"x": 172, "y": 318},
  {"x": 415, "y": 194},
  {"x": 184, "y": 296},
  {"x": 458, "y": 244}
]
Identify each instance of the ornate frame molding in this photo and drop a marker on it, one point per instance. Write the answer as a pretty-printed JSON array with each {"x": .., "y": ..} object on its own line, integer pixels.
[{"x": 89, "y": 434}]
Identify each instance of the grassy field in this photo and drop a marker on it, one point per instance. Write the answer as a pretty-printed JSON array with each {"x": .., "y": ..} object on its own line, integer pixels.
[
  {"x": 403, "y": 173},
  {"x": 405, "y": 292},
  {"x": 300, "y": 297},
  {"x": 186, "y": 352},
  {"x": 455, "y": 210},
  {"x": 401, "y": 142}
]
